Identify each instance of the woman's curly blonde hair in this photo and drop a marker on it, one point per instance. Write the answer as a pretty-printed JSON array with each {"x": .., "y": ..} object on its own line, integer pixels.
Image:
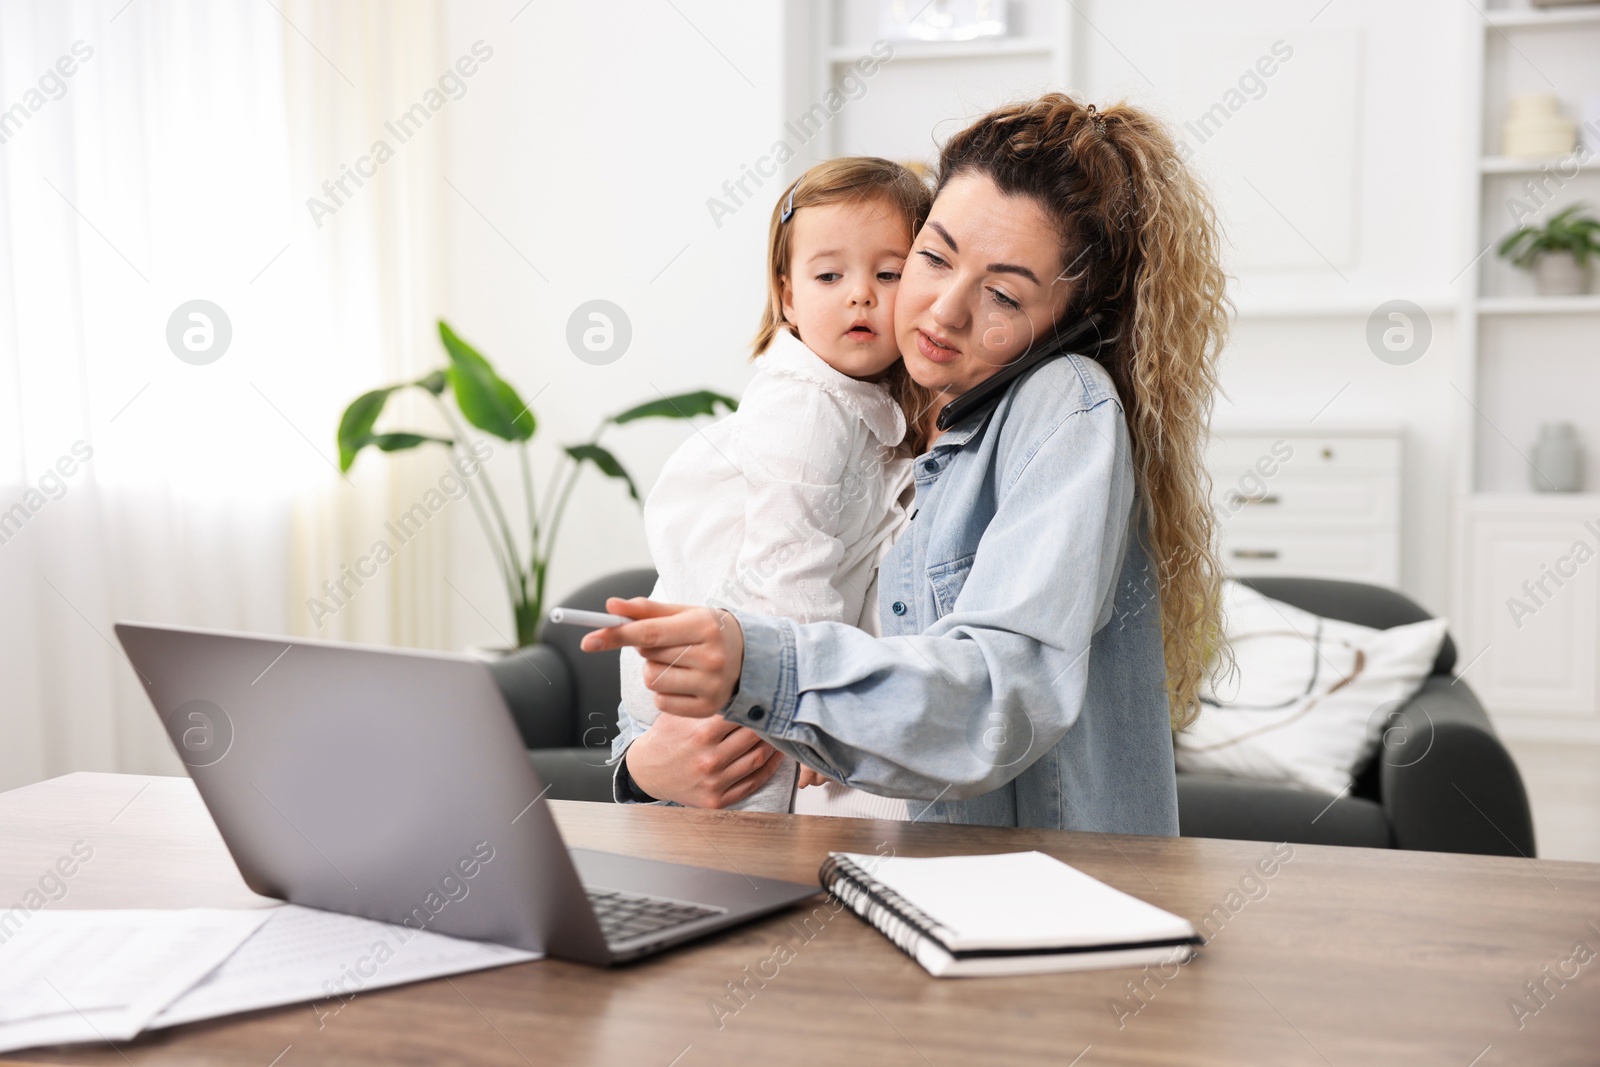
[{"x": 1140, "y": 248}]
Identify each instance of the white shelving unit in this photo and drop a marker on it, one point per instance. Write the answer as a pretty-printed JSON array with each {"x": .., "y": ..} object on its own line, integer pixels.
[
  {"x": 1512, "y": 165},
  {"x": 1522, "y": 355},
  {"x": 1542, "y": 19},
  {"x": 1530, "y": 626},
  {"x": 1248, "y": 306},
  {"x": 921, "y": 79},
  {"x": 916, "y": 51},
  {"x": 1539, "y": 305},
  {"x": 1512, "y": 48}
]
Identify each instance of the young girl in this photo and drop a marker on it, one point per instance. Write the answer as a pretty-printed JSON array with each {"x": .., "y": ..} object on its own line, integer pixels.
[{"x": 786, "y": 506}]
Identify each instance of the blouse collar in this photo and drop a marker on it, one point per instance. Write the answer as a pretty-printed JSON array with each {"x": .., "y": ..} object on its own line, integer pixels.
[{"x": 871, "y": 402}]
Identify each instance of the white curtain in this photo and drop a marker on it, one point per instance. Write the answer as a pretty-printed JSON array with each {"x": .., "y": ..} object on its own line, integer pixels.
[{"x": 152, "y": 155}]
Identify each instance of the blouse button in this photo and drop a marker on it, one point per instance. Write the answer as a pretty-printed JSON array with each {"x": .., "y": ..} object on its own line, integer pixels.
[
  {"x": 757, "y": 714},
  {"x": 899, "y": 607},
  {"x": 930, "y": 467}
]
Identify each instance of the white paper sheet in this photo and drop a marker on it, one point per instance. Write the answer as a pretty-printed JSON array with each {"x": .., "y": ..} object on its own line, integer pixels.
[
  {"x": 104, "y": 975},
  {"x": 303, "y": 954}
]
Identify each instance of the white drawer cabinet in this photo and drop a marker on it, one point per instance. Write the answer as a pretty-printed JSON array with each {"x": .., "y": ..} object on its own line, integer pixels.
[
  {"x": 1365, "y": 453},
  {"x": 1338, "y": 499},
  {"x": 1324, "y": 505},
  {"x": 1531, "y": 605},
  {"x": 1356, "y": 556}
]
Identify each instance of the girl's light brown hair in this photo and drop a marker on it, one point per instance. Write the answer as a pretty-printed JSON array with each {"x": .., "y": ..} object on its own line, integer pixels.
[
  {"x": 1140, "y": 248},
  {"x": 864, "y": 178}
]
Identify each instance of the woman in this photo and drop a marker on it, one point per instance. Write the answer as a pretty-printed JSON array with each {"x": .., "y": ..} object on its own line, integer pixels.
[{"x": 1048, "y": 615}]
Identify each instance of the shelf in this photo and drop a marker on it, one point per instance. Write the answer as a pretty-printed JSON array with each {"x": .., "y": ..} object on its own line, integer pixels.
[
  {"x": 1331, "y": 307},
  {"x": 1587, "y": 14},
  {"x": 920, "y": 50},
  {"x": 1486, "y": 502},
  {"x": 1228, "y": 431},
  {"x": 1509, "y": 165},
  {"x": 1539, "y": 305}
]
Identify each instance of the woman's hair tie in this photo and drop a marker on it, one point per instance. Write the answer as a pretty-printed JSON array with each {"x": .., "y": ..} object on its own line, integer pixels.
[
  {"x": 788, "y": 206},
  {"x": 1095, "y": 117}
]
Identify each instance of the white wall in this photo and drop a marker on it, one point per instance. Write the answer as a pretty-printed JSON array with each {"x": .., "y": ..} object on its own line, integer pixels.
[
  {"x": 591, "y": 142},
  {"x": 1339, "y": 185},
  {"x": 1335, "y": 164},
  {"x": 594, "y": 137}
]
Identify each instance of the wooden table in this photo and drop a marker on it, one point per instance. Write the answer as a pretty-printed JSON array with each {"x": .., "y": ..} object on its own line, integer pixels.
[{"x": 1340, "y": 956}]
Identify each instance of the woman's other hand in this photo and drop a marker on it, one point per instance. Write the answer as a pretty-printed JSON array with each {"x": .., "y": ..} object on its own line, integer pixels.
[
  {"x": 810, "y": 777},
  {"x": 700, "y": 763},
  {"x": 693, "y": 656}
]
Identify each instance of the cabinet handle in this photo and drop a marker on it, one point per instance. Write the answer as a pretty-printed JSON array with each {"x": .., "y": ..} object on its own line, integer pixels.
[
  {"x": 1239, "y": 500},
  {"x": 1255, "y": 553}
]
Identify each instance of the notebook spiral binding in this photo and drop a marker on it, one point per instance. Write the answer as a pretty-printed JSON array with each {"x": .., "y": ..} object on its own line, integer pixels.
[{"x": 893, "y": 916}]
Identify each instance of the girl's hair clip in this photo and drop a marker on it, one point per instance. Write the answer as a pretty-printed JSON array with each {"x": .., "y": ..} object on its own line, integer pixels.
[{"x": 788, "y": 207}]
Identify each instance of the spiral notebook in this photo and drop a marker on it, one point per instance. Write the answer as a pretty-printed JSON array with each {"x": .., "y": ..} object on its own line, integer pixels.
[{"x": 1012, "y": 913}]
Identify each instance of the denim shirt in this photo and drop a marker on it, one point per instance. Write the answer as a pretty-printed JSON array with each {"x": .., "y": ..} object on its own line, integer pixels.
[{"x": 1020, "y": 679}]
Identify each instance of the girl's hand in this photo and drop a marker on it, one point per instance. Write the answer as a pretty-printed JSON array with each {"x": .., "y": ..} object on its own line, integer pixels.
[
  {"x": 703, "y": 763},
  {"x": 810, "y": 777},
  {"x": 693, "y": 656}
]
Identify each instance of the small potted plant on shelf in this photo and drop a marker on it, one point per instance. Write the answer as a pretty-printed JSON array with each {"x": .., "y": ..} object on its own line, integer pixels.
[
  {"x": 490, "y": 403},
  {"x": 1558, "y": 252}
]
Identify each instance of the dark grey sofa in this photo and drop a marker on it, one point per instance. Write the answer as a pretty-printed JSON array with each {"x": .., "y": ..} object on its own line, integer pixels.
[
  {"x": 1443, "y": 782},
  {"x": 565, "y": 700}
]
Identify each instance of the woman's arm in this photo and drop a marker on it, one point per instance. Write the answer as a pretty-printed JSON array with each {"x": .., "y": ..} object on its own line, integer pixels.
[{"x": 964, "y": 707}]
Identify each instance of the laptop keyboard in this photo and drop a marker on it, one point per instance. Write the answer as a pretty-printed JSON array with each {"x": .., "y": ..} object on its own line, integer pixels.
[{"x": 625, "y": 916}]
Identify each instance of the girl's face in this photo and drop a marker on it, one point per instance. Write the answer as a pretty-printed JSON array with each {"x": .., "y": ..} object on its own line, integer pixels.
[
  {"x": 845, "y": 263},
  {"x": 980, "y": 286}
]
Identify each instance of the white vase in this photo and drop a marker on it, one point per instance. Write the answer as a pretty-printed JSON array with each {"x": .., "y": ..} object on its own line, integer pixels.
[
  {"x": 1558, "y": 274},
  {"x": 1536, "y": 129},
  {"x": 1557, "y": 459}
]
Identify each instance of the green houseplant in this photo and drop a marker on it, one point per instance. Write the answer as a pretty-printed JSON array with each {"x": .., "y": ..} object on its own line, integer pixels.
[
  {"x": 1558, "y": 252},
  {"x": 487, "y": 401}
]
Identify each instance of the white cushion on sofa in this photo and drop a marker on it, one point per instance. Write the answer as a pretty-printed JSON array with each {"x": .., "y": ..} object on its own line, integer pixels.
[{"x": 1268, "y": 726}]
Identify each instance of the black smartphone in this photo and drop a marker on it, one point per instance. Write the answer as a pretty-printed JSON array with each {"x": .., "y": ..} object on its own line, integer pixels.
[{"x": 1082, "y": 335}]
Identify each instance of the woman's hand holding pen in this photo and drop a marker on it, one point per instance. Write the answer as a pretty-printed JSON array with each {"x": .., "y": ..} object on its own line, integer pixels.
[{"x": 692, "y": 655}]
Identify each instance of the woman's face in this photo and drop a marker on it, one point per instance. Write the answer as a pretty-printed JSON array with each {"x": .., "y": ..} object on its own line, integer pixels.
[{"x": 980, "y": 286}]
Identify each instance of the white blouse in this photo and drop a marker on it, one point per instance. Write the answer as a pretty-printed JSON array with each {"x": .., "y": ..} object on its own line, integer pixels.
[{"x": 784, "y": 507}]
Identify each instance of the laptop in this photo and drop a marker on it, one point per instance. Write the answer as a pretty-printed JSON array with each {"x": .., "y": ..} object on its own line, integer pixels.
[{"x": 394, "y": 785}]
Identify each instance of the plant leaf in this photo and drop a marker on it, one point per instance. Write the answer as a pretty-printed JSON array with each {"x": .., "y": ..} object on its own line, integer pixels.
[
  {"x": 1559, "y": 219},
  {"x": 487, "y": 400},
  {"x": 433, "y": 383},
  {"x": 1513, "y": 239},
  {"x": 355, "y": 426},
  {"x": 606, "y": 462},
  {"x": 1561, "y": 232},
  {"x": 682, "y": 406},
  {"x": 398, "y": 442}
]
